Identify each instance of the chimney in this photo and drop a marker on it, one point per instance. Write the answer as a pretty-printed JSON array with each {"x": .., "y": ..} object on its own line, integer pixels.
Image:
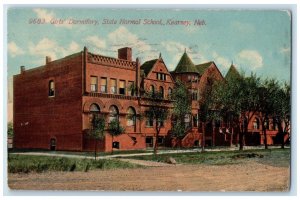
[
  {"x": 125, "y": 53},
  {"x": 22, "y": 69},
  {"x": 48, "y": 59},
  {"x": 137, "y": 77}
]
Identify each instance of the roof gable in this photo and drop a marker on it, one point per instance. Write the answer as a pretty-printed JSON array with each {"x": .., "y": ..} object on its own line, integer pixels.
[
  {"x": 232, "y": 73},
  {"x": 185, "y": 64},
  {"x": 202, "y": 67},
  {"x": 148, "y": 65}
]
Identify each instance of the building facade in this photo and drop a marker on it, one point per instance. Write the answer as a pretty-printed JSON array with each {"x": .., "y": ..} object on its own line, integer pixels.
[{"x": 55, "y": 103}]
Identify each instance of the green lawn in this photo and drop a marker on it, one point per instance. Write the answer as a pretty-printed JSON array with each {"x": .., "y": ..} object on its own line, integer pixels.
[
  {"x": 115, "y": 152},
  {"x": 27, "y": 163},
  {"x": 276, "y": 157}
]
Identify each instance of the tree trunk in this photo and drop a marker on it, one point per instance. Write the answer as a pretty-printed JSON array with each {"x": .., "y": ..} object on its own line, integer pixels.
[
  {"x": 112, "y": 146},
  {"x": 156, "y": 138},
  {"x": 241, "y": 138},
  {"x": 265, "y": 137},
  {"x": 95, "y": 148},
  {"x": 203, "y": 138},
  {"x": 231, "y": 137},
  {"x": 281, "y": 133}
]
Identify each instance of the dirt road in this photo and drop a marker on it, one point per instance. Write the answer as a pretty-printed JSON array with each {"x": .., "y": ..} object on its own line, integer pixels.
[{"x": 249, "y": 176}]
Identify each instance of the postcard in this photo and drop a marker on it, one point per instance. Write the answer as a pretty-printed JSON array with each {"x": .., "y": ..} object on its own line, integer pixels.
[{"x": 128, "y": 99}]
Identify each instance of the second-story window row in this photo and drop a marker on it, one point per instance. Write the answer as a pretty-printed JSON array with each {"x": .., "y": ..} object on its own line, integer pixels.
[{"x": 112, "y": 86}]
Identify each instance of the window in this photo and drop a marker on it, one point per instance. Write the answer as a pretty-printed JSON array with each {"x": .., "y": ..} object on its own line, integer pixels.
[
  {"x": 256, "y": 124},
  {"x": 116, "y": 145},
  {"x": 161, "y": 91},
  {"x": 161, "y": 76},
  {"x": 103, "y": 85},
  {"x": 51, "y": 91},
  {"x": 122, "y": 87},
  {"x": 170, "y": 92},
  {"x": 130, "y": 88},
  {"x": 149, "y": 141},
  {"x": 160, "y": 123},
  {"x": 160, "y": 140},
  {"x": 187, "y": 120},
  {"x": 94, "y": 81},
  {"x": 152, "y": 90},
  {"x": 94, "y": 112},
  {"x": 113, "y": 86},
  {"x": 194, "y": 95},
  {"x": 131, "y": 117},
  {"x": 149, "y": 122},
  {"x": 195, "y": 120},
  {"x": 113, "y": 113}
]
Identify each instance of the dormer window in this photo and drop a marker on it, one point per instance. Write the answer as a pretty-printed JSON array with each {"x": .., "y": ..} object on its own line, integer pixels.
[{"x": 51, "y": 90}]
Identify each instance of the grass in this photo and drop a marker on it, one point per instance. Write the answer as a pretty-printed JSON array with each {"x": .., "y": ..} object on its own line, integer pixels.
[
  {"x": 115, "y": 152},
  {"x": 27, "y": 163},
  {"x": 276, "y": 157}
]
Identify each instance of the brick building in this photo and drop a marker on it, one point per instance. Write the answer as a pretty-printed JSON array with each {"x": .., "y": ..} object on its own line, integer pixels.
[{"x": 54, "y": 103}]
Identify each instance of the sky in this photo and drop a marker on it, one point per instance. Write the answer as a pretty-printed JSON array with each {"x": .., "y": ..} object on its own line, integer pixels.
[{"x": 257, "y": 41}]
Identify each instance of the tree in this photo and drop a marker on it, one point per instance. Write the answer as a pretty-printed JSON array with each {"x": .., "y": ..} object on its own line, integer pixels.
[
  {"x": 97, "y": 130},
  {"x": 282, "y": 109},
  {"x": 239, "y": 97},
  {"x": 157, "y": 112},
  {"x": 10, "y": 129},
  {"x": 181, "y": 107},
  {"x": 267, "y": 98},
  {"x": 115, "y": 129},
  {"x": 208, "y": 107}
]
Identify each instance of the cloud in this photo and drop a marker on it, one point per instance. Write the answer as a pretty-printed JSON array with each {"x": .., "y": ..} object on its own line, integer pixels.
[
  {"x": 49, "y": 16},
  {"x": 242, "y": 27},
  {"x": 73, "y": 47},
  {"x": 173, "y": 47},
  {"x": 44, "y": 47},
  {"x": 221, "y": 61},
  {"x": 285, "y": 50},
  {"x": 122, "y": 37},
  {"x": 250, "y": 58},
  {"x": 96, "y": 42},
  {"x": 14, "y": 50},
  {"x": 47, "y": 47},
  {"x": 175, "y": 50}
]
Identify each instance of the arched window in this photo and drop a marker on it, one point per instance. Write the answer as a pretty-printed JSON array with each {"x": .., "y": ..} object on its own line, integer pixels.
[
  {"x": 51, "y": 89},
  {"x": 170, "y": 92},
  {"x": 94, "y": 112},
  {"x": 131, "y": 116},
  {"x": 256, "y": 123},
  {"x": 113, "y": 113},
  {"x": 152, "y": 89},
  {"x": 161, "y": 91}
]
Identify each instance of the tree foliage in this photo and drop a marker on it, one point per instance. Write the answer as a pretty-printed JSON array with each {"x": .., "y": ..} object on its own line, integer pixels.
[
  {"x": 96, "y": 131},
  {"x": 157, "y": 111},
  {"x": 181, "y": 107},
  {"x": 115, "y": 128},
  {"x": 10, "y": 129}
]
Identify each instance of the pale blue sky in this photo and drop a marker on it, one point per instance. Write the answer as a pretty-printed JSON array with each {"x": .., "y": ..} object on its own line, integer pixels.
[{"x": 256, "y": 41}]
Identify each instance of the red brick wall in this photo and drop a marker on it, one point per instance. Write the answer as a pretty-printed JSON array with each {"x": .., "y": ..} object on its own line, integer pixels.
[{"x": 38, "y": 117}]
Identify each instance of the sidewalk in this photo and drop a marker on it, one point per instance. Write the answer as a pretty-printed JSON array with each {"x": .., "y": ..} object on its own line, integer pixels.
[{"x": 142, "y": 154}]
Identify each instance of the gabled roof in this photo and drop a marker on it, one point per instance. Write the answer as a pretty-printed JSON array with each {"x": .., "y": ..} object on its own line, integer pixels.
[
  {"x": 202, "y": 67},
  {"x": 232, "y": 73},
  {"x": 147, "y": 66},
  {"x": 185, "y": 65}
]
